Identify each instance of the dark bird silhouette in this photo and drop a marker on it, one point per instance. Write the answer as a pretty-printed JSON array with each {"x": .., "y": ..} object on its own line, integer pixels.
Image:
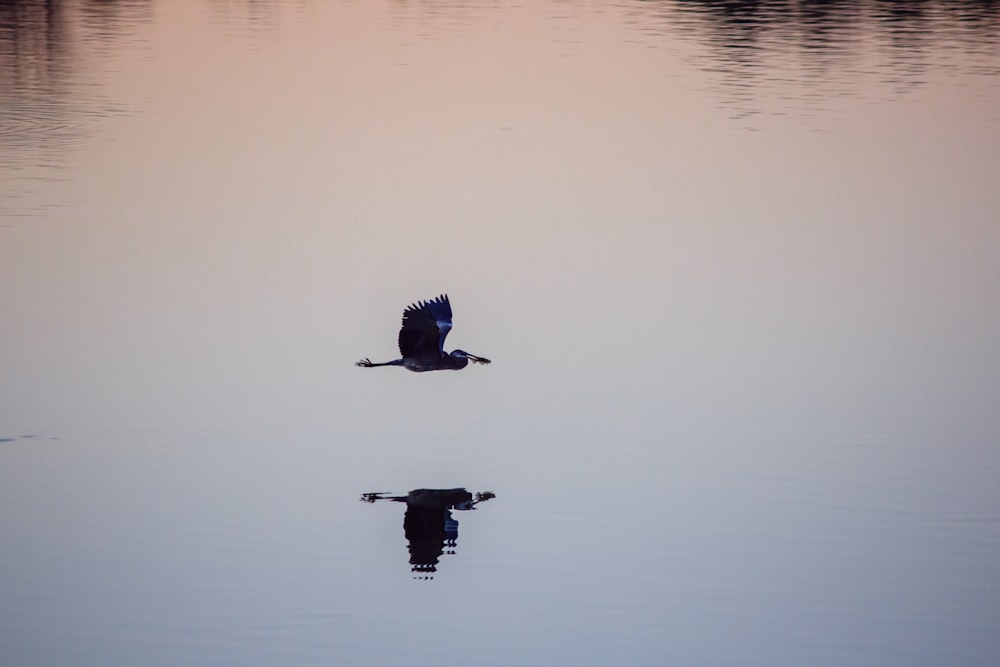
[
  {"x": 428, "y": 524},
  {"x": 421, "y": 340}
]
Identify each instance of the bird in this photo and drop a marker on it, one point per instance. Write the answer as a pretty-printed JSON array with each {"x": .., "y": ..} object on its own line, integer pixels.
[{"x": 421, "y": 340}]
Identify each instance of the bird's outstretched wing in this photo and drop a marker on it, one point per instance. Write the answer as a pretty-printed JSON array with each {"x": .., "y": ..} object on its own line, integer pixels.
[{"x": 425, "y": 326}]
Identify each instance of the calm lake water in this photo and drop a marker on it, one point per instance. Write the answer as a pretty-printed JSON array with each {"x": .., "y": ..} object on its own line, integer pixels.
[{"x": 737, "y": 266}]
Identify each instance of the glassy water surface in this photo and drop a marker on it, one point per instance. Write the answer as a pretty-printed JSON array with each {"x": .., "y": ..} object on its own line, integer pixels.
[{"x": 736, "y": 265}]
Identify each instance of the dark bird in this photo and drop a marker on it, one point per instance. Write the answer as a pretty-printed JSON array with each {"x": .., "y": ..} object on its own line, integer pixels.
[
  {"x": 428, "y": 524},
  {"x": 421, "y": 340}
]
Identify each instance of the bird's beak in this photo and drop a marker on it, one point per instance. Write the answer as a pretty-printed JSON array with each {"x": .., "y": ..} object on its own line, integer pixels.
[{"x": 479, "y": 360}]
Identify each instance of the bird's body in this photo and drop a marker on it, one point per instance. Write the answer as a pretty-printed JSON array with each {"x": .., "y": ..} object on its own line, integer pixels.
[{"x": 421, "y": 340}]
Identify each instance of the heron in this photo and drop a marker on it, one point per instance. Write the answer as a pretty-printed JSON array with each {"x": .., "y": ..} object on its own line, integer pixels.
[{"x": 421, "y": 340}]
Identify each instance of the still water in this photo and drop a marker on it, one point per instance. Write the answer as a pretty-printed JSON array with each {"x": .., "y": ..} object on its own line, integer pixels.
[{"x": 737, "y": 266}]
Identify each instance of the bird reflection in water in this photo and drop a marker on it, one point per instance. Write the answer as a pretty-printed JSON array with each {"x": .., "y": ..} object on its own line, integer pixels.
[{"x": 428, "y": 524}]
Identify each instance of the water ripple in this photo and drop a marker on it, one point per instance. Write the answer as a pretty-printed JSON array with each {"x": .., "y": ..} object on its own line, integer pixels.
[
  {"x": 49, "y": 108},
  {"x": 754, "y": 52}
]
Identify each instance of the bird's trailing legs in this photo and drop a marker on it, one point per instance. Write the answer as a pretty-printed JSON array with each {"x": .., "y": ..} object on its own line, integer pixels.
[{"x": 368, "y": 363}]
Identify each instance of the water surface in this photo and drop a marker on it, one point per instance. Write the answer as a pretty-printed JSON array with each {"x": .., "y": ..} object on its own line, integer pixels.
[{"x": 736, "y": 265}]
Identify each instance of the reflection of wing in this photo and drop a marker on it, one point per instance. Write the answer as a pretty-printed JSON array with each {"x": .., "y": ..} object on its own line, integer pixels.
[
  {"x": 421, "y": 523},
  {"x": 425, "y": 531},
  {"x": 425, "y": 326}
]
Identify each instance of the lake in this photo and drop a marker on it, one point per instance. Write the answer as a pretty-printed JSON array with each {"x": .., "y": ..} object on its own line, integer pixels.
[{"x": 736, "y": 264}]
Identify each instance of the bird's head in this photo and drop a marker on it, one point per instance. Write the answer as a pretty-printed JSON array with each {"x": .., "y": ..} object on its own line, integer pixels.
[{"x": 462, "y": 354}]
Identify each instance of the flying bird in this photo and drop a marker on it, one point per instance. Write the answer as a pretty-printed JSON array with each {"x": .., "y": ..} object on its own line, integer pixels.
[{"x": 421, "y": 340}]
